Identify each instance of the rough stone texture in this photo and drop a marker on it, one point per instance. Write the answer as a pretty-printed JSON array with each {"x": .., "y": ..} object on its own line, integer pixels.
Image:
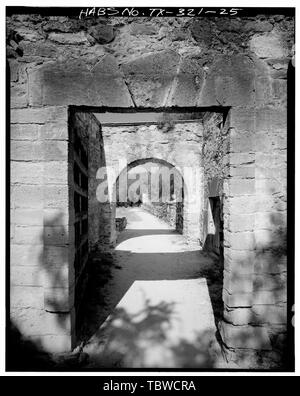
[
  {"x": 69, "y": 38},
  {"x": 153, "y": 63},
  {"x": 161, "y": 67},
  {"x": 215, "y": 147},
  {"x": 74, "y": 83},
  {"x": 188, "y": 84},
  {"x": 230, "y": 82},
  {"x": 103, "y": 34},
  {"x": 202, "y": 32},
  {"x": 142, "y": 29},
  {"x": 268, "y": 46},
  {"x": 121, "y": 223},
  {"x": 248, "y": 337},
  {"x": 171, "y": 213},
  {"x": 39, "y": 221}
]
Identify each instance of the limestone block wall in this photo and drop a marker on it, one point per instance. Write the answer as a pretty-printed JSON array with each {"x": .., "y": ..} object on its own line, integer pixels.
[
  {"x": 179, "y": 217},
  {"x": 239, "y": 63},
  {"x": 164, "y": 211},
  {"x": 42, "y": 294},
  {"x": 254, "y": 291}
]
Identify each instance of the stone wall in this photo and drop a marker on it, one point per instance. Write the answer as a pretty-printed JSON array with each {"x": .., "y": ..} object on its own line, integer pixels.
[
  {"x": 237, "y": 63},
  {"x": 164, "y": 211},
  {"x": 214, "y": 155},
  {"x": 254, "y": 291},
  {"x": 42, "y": 279},
  {"x": 121, "y": 223},
  {"x": 42, "y": 49}
]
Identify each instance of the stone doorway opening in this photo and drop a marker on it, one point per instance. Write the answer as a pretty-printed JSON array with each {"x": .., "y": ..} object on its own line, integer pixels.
[{"x": 119, "y": 146}]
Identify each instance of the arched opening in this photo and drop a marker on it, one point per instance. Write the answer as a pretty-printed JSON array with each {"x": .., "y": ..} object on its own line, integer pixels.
[{"x": 155, "y": 185}]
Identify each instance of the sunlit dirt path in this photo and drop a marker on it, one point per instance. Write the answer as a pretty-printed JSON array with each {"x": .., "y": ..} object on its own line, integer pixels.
[{"x": 153, "y": 306}]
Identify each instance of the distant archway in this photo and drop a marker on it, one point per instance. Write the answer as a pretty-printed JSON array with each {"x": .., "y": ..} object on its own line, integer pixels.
[{"x": 160, "y": 188}]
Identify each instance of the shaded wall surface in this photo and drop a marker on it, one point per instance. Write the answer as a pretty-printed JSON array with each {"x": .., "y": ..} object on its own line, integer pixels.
[
  {"x": 86, "y": 155},
  {"x": 240, "y": 64}
]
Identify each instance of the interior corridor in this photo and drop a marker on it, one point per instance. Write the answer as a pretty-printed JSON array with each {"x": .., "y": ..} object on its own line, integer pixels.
[{"x": 153, "y": 301}]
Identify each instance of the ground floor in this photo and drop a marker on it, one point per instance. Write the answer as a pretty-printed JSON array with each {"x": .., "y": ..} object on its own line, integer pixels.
[{"x": 154, "y": 300}]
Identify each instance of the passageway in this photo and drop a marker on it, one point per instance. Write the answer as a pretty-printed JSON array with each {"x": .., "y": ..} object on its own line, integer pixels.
[{"x": 153, "y": 300}]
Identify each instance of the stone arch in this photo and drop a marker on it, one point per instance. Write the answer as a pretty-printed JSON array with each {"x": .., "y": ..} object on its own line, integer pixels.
[
  {"x": 181, "y": 223},
  {"x": 143, "y": 161}
]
